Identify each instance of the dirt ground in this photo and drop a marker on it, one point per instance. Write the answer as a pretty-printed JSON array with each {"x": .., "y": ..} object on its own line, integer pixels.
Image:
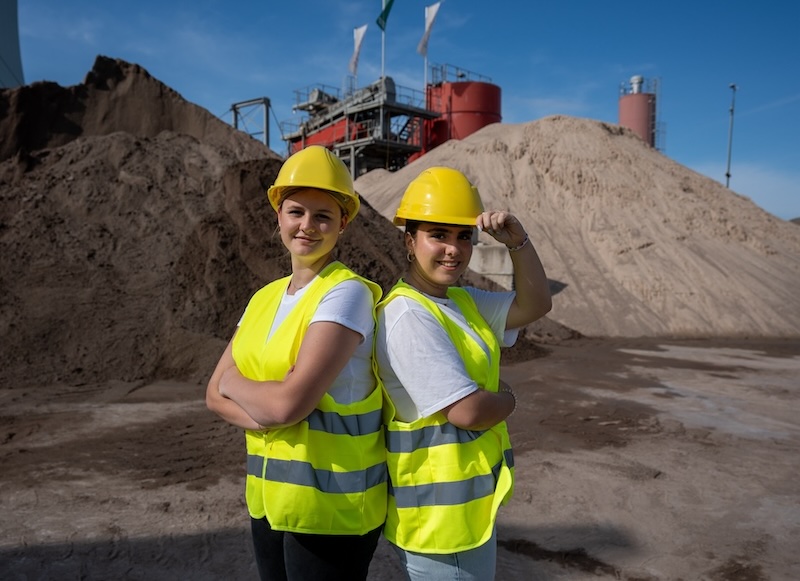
[{"x": 636, "y": 459}]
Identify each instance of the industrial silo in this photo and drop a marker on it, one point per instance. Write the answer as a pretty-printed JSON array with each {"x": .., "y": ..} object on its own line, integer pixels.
[
  {"x": 637, "y": 108},
  {"x": 465, "y": 105}
]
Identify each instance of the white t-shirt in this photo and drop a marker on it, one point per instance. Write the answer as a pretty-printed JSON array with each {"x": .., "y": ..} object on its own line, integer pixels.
[
  {"x": 417, "y": 361},
  {"x": 349, "y": 304}
]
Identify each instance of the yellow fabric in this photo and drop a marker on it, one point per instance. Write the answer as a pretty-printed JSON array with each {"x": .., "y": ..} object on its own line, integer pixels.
[
  {"x": 424, "y": 521},
  {"x": 356, "y": 458}
]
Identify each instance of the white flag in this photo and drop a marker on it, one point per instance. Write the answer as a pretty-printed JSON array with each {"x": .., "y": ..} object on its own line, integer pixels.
[
  {"x": 358, "y": 38},
  {"x": 430, "y": 16}
]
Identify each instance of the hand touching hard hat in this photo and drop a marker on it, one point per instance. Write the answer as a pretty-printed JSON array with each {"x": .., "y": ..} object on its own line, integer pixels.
[{"x": 503, "y": 227}]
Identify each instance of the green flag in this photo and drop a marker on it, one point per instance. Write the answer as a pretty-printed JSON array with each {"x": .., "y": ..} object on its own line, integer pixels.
[{"x": 384, "y": 15}]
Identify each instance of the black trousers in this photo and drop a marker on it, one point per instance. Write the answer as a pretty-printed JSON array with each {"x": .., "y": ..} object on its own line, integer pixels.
[{"x": 284, "y": 556}]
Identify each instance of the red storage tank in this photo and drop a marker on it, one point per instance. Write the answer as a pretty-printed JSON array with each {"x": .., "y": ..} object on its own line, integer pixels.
[
  {"x": 465, "y": 108},
  {"x": 637, "y": 110}
]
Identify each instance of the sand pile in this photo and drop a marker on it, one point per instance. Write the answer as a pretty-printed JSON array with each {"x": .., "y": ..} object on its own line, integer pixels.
[
  {"x": 115, "y": 96},
  {"x": 134, "y": 229},
  {"x": 640, "y": 245}
]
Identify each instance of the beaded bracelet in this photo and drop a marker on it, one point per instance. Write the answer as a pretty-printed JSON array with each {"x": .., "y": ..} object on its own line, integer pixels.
[
  {"x": 507, "y": 389},
  {"x": 522, "y": 245}
]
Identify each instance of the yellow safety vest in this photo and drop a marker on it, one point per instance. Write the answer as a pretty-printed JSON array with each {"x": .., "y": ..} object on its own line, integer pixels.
[
  {"x": 447, "y": 483},
  {"x": 327, "y": 473}
]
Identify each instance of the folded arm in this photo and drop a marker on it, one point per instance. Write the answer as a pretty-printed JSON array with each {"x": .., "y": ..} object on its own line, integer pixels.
[
  {"x": 227, "y": 409},
  {"x": 326, "y": 349}
]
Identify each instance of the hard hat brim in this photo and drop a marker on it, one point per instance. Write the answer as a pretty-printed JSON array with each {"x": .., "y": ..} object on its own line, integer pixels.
[
  {"x": 350, "y": 204},
  {"x": 450, "y": 220}
]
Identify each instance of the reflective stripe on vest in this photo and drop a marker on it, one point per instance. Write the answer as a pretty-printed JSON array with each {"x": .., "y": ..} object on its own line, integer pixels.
[
  {"x": 446, "y": 483},
  {"x": 294, "y": 472},
  {"x": 327, "y": 473},
  {"x": 446, "y": 493},
  {"x": 304, "y": 474},
  {"x": 429, "y": 436},
  {"x": 345, "y": 425}
]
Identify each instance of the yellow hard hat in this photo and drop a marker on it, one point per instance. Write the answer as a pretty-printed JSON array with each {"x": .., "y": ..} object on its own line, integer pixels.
[
  {"x": 442, "y": 195},
  {"x": 316, "y": 167}
]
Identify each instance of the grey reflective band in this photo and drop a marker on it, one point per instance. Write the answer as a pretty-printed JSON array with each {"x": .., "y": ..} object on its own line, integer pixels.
[
  {"x": 304, "y": 474},
  {"x": 354, "y": 425},
  {"x": 255, "y": 465},
  {"x": 508, "y": 454},
  {"x": 446, "y": 493},
  {"x": 404, "y": 442}
]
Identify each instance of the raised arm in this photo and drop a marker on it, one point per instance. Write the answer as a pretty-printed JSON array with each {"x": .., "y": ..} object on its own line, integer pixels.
[{"x": 532, "y": 300}]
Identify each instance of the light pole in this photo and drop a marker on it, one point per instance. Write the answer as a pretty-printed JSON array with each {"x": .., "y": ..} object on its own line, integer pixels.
[{"x": 730, "y": 135}]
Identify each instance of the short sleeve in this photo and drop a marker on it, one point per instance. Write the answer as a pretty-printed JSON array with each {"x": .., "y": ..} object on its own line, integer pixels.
[
  {"x": 350, "y": 304},
  {"x": 494, "y": 307}
]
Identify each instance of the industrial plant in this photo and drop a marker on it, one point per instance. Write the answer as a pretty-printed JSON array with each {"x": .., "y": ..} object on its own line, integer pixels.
[{"x": 385, "y": 125}]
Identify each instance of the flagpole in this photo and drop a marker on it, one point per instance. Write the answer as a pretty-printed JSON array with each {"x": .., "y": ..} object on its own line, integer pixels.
[
  {"x": 384, "y": 16},
  {"x": 425, "y": 60},
  {"x": 383, "y": 40}
]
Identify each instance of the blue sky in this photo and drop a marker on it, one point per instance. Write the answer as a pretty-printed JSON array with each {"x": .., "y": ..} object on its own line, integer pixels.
[{"x": 549, "y": 58}]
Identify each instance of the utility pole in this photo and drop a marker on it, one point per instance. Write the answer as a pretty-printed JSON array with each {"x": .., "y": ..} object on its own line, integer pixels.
[{"x": 730, "y": 136}]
